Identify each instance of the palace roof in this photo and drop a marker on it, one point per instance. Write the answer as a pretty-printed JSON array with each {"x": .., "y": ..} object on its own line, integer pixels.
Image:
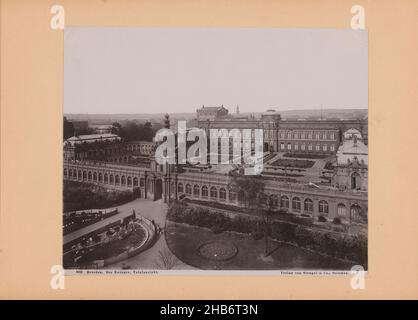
[{"x": 89, "y": 138}]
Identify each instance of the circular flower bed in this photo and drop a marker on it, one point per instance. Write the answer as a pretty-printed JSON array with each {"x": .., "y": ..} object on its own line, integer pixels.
[{"x": 218, "y": 250}]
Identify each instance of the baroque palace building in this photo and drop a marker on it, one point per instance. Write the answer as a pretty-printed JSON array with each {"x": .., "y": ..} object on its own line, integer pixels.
[{"x": 114, "y": 164}]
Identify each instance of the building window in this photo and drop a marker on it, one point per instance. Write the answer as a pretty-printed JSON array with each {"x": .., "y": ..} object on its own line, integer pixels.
[
  {"x": 188, "y": 189},
  {"x": 213, "y": 193},
  {"x": 204, "y": 192},
  {"x": 296, "y": 135},
  {"x": 324, "y": 136},
  {"x": 106, "y": 178},
  {"x": 179, "y": 187},
  {"x": 323, "y": 207},
  {"x": 222, "y": 194},
  {"x": 100, "y": 177},
  {"x": 332, "y": 147},
  {"x": 303, "y": 135},
  {"x": 296, "y": 203},
  {"x": 282, "y": 135},
  {"x": 296, "y": 147},
  {"x": 289, "y": 146},
  {"x": 89, "y": 176},
  {"x": 117, "y": 179},
  {"x": 282, "y": 146},
  {"x": 123, "y": 179},
  {"x": 325, "y": 148},
  {"x": 332, "y": 136},
  {"x": 308, "y": 205},
  {"x": 136, "y": 182},
  {"x": 289, "y": 135},
  {"x": 317, "y": 136},
  {"x": 341, "y": 210},
  {"x": 196, "y": 190},
  {"x": 310, "y": 135},
  {"x": 129, "y": 181},
  {"x": 310, "y": 147},
  {"x": 232, "y": 196},
  {"x": 302, "y": 147},
  {"x": 142, "y": 183},
  {"x": 317, "y": 147},
  {"x": 284, "y": 202}
]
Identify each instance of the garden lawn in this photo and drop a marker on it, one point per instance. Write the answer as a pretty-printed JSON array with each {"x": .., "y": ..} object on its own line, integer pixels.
[{"x": 184, "y": 241}]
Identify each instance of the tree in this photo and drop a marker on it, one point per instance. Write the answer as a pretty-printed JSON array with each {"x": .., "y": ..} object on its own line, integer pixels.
[
  {"x": 116, "y": 128},
  {"x": 255, "y": 199},
  {"x": 250, "y": 186}
]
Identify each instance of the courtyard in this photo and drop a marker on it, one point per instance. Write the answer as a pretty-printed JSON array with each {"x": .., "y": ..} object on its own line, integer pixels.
[{"x": 242, "y": 252}]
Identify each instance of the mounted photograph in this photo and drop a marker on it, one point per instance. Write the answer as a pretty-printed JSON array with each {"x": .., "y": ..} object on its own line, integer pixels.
[{"x": 215, "y": 150}]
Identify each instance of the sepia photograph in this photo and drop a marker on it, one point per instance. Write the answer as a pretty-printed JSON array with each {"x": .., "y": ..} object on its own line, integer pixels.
[{"x": 215, "y": 149}]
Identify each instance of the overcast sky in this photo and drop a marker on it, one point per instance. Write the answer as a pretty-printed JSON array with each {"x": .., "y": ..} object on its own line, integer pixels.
[{"x": 153, "y": 70}]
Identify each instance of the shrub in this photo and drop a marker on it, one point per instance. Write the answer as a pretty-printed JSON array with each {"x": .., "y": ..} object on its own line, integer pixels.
[
  {"x": 322, "y": 219},
  {"x": 336, "y": 220}
]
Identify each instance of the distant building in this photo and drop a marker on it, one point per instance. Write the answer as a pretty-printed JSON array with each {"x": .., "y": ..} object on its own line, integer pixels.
[
  {"x": 211, "y": 113},
  {"x": 140, "y": 147},
  {"x": 101, "y": 128},
  {"x": 92, "y": 146},
  {"x": 289, "y": 136},
  {"x": 351, "y": 171}
]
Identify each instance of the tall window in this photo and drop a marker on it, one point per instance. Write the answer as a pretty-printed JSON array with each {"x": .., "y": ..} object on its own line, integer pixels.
[
  {"x": 302, "y": 147},
  {"x": 308, "y": 205},
  {"x": 310, "y": 135},
  {"x": 332, "y": 136},
  {"x": 296, "y": 203},
  {"x": 324, "y": 136},
  {"x": 323, "y": 207},
  {"x": 317, "y": 147},
  {"x": 289, "y": 146},
  {"x": 204, "y": 191},
  {"x": 179, "y": 187},
  {"x": 303, "y": 135},
  {"x": 196, "y": 190},
  {"x": 317, "y": 136},
  {"x": 325, "y": 148},
  {"x": 296, "y": 147},
  {"x": 188, "y": 189},
  {"x": 213, "y": 193},
  {"x": 289, "y": 135},
  {"x": 282, "y": 146},
  {"x": 222, "y": 194},
  {"x": 284, "y": 202},
  {"x": 332, "y": 147},
  {"x": 232, "y": 196},
  {"x": 341, "y": 210},
  {"x": 310, "y": 147}
]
